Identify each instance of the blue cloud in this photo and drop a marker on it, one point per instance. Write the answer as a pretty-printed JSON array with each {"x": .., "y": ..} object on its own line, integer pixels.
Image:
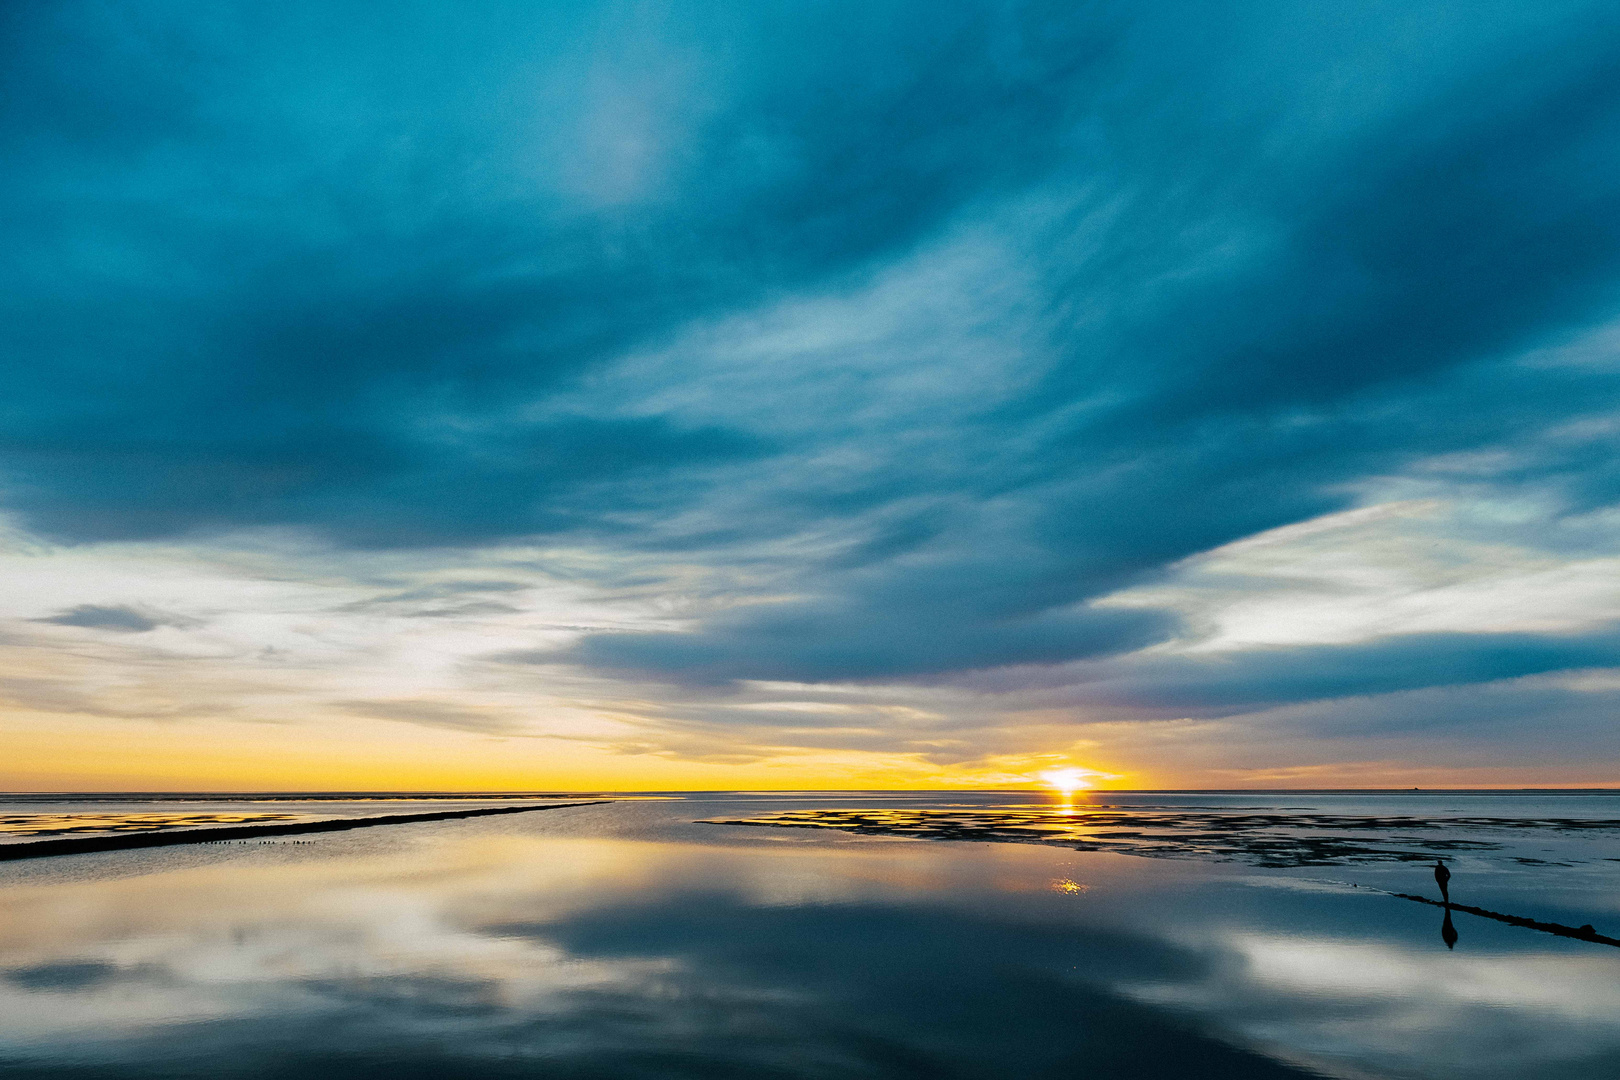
[
  {"x": 115, "y": 617},
  {"x": 399, "y": 284},
  {"x": 1255, "y": 678},
  {"x": 228, "y": 327}
]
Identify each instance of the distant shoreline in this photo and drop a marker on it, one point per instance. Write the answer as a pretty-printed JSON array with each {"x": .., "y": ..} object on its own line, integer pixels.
[
  {"x": 83, "y": 845},
  {"x": 491, "y": 796}
]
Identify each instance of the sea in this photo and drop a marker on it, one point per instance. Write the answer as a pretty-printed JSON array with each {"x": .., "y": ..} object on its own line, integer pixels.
[{"x": 718, "y": 935}]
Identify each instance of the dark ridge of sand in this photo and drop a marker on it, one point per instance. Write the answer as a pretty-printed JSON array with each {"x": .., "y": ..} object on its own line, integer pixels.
[
  {"x": 80, "y": 845},
  {"x": 1261, "y": 839},
  {"x": 1579, "y": 933}
]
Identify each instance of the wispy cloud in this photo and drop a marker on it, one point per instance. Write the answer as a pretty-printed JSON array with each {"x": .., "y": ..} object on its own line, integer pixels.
[{"x": 1030, "y": 368}]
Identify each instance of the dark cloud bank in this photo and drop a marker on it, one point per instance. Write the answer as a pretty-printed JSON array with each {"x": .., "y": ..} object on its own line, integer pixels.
[{"x": 376, "y": 277}]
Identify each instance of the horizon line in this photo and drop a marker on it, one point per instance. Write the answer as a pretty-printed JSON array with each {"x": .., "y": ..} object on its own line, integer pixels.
[{"x": 562, "y": 792}]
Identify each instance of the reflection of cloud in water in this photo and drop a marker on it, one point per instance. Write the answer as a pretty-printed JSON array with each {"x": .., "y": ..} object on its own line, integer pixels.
[
  {"x": 1471, "y": 1015},
  {"x": 475, "y": 957},
  {"x": 513, "y": 948}
]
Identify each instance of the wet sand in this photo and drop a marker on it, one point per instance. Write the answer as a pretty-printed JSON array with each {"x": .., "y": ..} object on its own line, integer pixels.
[{"x": 1267, "y": 839}]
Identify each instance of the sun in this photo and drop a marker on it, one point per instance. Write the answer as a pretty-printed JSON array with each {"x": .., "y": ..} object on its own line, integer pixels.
[{"x": 1068, "y": 780}]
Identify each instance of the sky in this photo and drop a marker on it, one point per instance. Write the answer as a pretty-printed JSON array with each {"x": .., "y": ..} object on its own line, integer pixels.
[{"x": 817, "y": 394}]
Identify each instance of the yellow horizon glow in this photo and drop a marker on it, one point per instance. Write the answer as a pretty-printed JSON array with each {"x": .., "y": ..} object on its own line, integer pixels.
[
  {"x": 68, "y": 753},
  {"x": 84, "y": 753}
]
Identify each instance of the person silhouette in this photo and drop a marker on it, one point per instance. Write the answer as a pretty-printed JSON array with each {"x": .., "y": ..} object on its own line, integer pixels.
[
  {"x": 1448, "y": 932},
  {"x": 1442, "y": 878}
]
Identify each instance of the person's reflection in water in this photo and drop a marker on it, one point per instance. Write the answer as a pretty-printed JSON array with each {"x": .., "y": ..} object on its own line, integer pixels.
[
  {"x": 1448, "y": 932},
  {"x": 1442, "y": 878}
]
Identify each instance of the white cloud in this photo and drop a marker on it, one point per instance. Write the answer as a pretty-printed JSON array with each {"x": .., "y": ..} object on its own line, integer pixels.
[{"x": 1414, "y": 566}]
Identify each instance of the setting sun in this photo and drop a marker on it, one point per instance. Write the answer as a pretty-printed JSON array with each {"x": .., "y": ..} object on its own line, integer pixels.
[{"x": 1067, "y": 780}]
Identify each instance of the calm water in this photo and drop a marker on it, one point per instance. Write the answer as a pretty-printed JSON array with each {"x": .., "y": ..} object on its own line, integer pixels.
[{"x": 630, "y": 940}]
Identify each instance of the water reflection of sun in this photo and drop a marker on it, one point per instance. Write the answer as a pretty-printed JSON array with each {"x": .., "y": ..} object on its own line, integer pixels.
[{"x": 1066, "y": 782}]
